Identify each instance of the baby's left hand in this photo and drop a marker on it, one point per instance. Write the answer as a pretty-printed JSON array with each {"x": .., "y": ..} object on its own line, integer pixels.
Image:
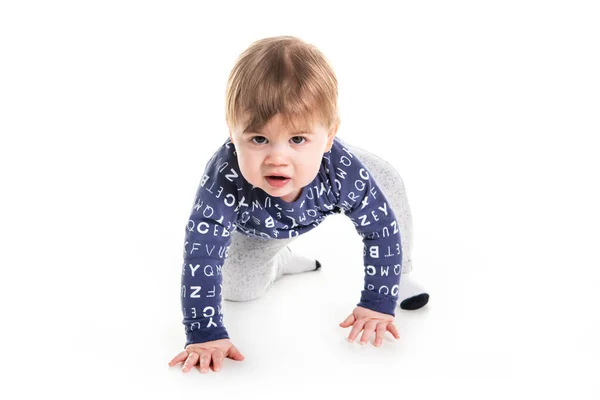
[{"x": 371, "y": 321}]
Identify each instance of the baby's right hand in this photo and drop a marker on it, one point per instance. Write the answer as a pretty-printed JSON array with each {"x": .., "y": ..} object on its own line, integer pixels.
[{"x": 203, "y": 353}]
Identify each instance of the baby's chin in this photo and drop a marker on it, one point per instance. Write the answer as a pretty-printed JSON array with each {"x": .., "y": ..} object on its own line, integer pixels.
[
  {"x": 286, "y": 196},
  {"x": 292, "y": 197}
]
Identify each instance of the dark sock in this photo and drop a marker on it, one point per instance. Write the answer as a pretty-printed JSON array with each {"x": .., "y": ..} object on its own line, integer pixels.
[{"x": 415, "y": 302}]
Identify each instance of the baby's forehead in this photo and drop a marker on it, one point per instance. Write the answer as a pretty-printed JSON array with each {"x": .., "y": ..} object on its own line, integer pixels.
[{"x": 294, "y": 124}]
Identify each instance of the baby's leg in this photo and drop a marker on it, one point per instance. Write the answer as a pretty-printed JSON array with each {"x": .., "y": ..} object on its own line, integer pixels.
[
  {"x": 412, "y": 295},
  {"x": 254, "y": 263}
]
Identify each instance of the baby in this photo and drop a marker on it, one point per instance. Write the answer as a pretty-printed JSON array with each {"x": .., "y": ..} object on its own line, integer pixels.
[{"x": 280, "y": 173}]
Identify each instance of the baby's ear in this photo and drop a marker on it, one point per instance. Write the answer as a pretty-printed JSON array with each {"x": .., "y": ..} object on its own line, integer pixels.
[{"x": 331, "y": 136}]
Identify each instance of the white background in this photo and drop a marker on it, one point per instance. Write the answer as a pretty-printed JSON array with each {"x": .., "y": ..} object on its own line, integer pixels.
[{"x": 490, "y": 111}]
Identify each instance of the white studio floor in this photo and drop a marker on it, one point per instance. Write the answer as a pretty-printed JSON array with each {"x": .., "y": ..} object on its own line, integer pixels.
[
  {"x": 469, "y": 340},
  {"x": 489, "y": 111}
]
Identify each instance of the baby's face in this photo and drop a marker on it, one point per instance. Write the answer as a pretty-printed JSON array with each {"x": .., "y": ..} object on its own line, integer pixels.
[{"x": 278, "y": 150}]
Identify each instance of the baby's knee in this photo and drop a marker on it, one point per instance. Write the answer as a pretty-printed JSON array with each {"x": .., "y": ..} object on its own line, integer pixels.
[
  {"x": 384, "y": 172},
  {"x": 395, "y": 176}
]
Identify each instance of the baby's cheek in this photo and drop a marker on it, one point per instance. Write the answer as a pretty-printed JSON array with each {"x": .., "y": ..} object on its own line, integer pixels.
[{"x": 246, "y": 173}]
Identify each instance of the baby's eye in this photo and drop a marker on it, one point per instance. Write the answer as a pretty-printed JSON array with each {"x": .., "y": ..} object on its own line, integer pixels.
[
  {"x": 299, "y": 137},
  {"x": 258, "y": 137}
]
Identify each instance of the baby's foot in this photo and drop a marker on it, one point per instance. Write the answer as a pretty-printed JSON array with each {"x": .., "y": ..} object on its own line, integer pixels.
[
  {"x": 290, "y": 263},
  {"x": 412, "y": 296}
]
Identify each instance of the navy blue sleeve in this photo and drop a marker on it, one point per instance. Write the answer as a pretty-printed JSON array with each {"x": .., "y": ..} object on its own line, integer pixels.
[
  {"x": 207, "y": 239},
  {"x": 367, "y": 207}
]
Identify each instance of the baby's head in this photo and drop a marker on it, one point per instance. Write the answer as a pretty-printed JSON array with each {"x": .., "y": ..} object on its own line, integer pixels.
[{"x": 281, "y": 109}]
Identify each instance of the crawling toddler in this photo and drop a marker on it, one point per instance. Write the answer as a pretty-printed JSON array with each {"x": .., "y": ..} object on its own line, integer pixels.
[{"x": 280, "y": 173}]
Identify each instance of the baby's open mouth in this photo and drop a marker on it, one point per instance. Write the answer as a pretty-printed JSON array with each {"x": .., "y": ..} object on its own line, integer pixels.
[{"x": 277, "y": 180}]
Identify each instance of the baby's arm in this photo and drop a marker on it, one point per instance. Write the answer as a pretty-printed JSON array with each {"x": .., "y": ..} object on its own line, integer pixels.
[
  {"x": 206, "y": 241},
  {"x": 382, "y": 254},
  {"x": 375, "y": 221}
]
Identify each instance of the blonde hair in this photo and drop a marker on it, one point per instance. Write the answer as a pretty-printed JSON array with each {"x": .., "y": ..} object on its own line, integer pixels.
[{"x": 284, "y": 75}]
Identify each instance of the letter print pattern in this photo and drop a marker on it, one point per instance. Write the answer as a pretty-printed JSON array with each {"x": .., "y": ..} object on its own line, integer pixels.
[
  {"x": 375, "y": 221},
  {"x": 207, "y": 240},
  {"x": 226, "y": 202}
]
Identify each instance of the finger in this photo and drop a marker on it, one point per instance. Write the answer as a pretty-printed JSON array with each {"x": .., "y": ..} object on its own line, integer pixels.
[
  {"x": 356, "y": 328},
  {"x": 235, "y": 354},
  {"x": 178, "y": 358},
  {"x": 204, "y": 362},
  {"x": 348, "y": 321},
  {"x": 190, "y": 362},
  {"x": 380, "y": 333},
  {"x": 217, "y": 357},
  {"x": 393, "y": 330},
  {"x": 369, "y": 329}
]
